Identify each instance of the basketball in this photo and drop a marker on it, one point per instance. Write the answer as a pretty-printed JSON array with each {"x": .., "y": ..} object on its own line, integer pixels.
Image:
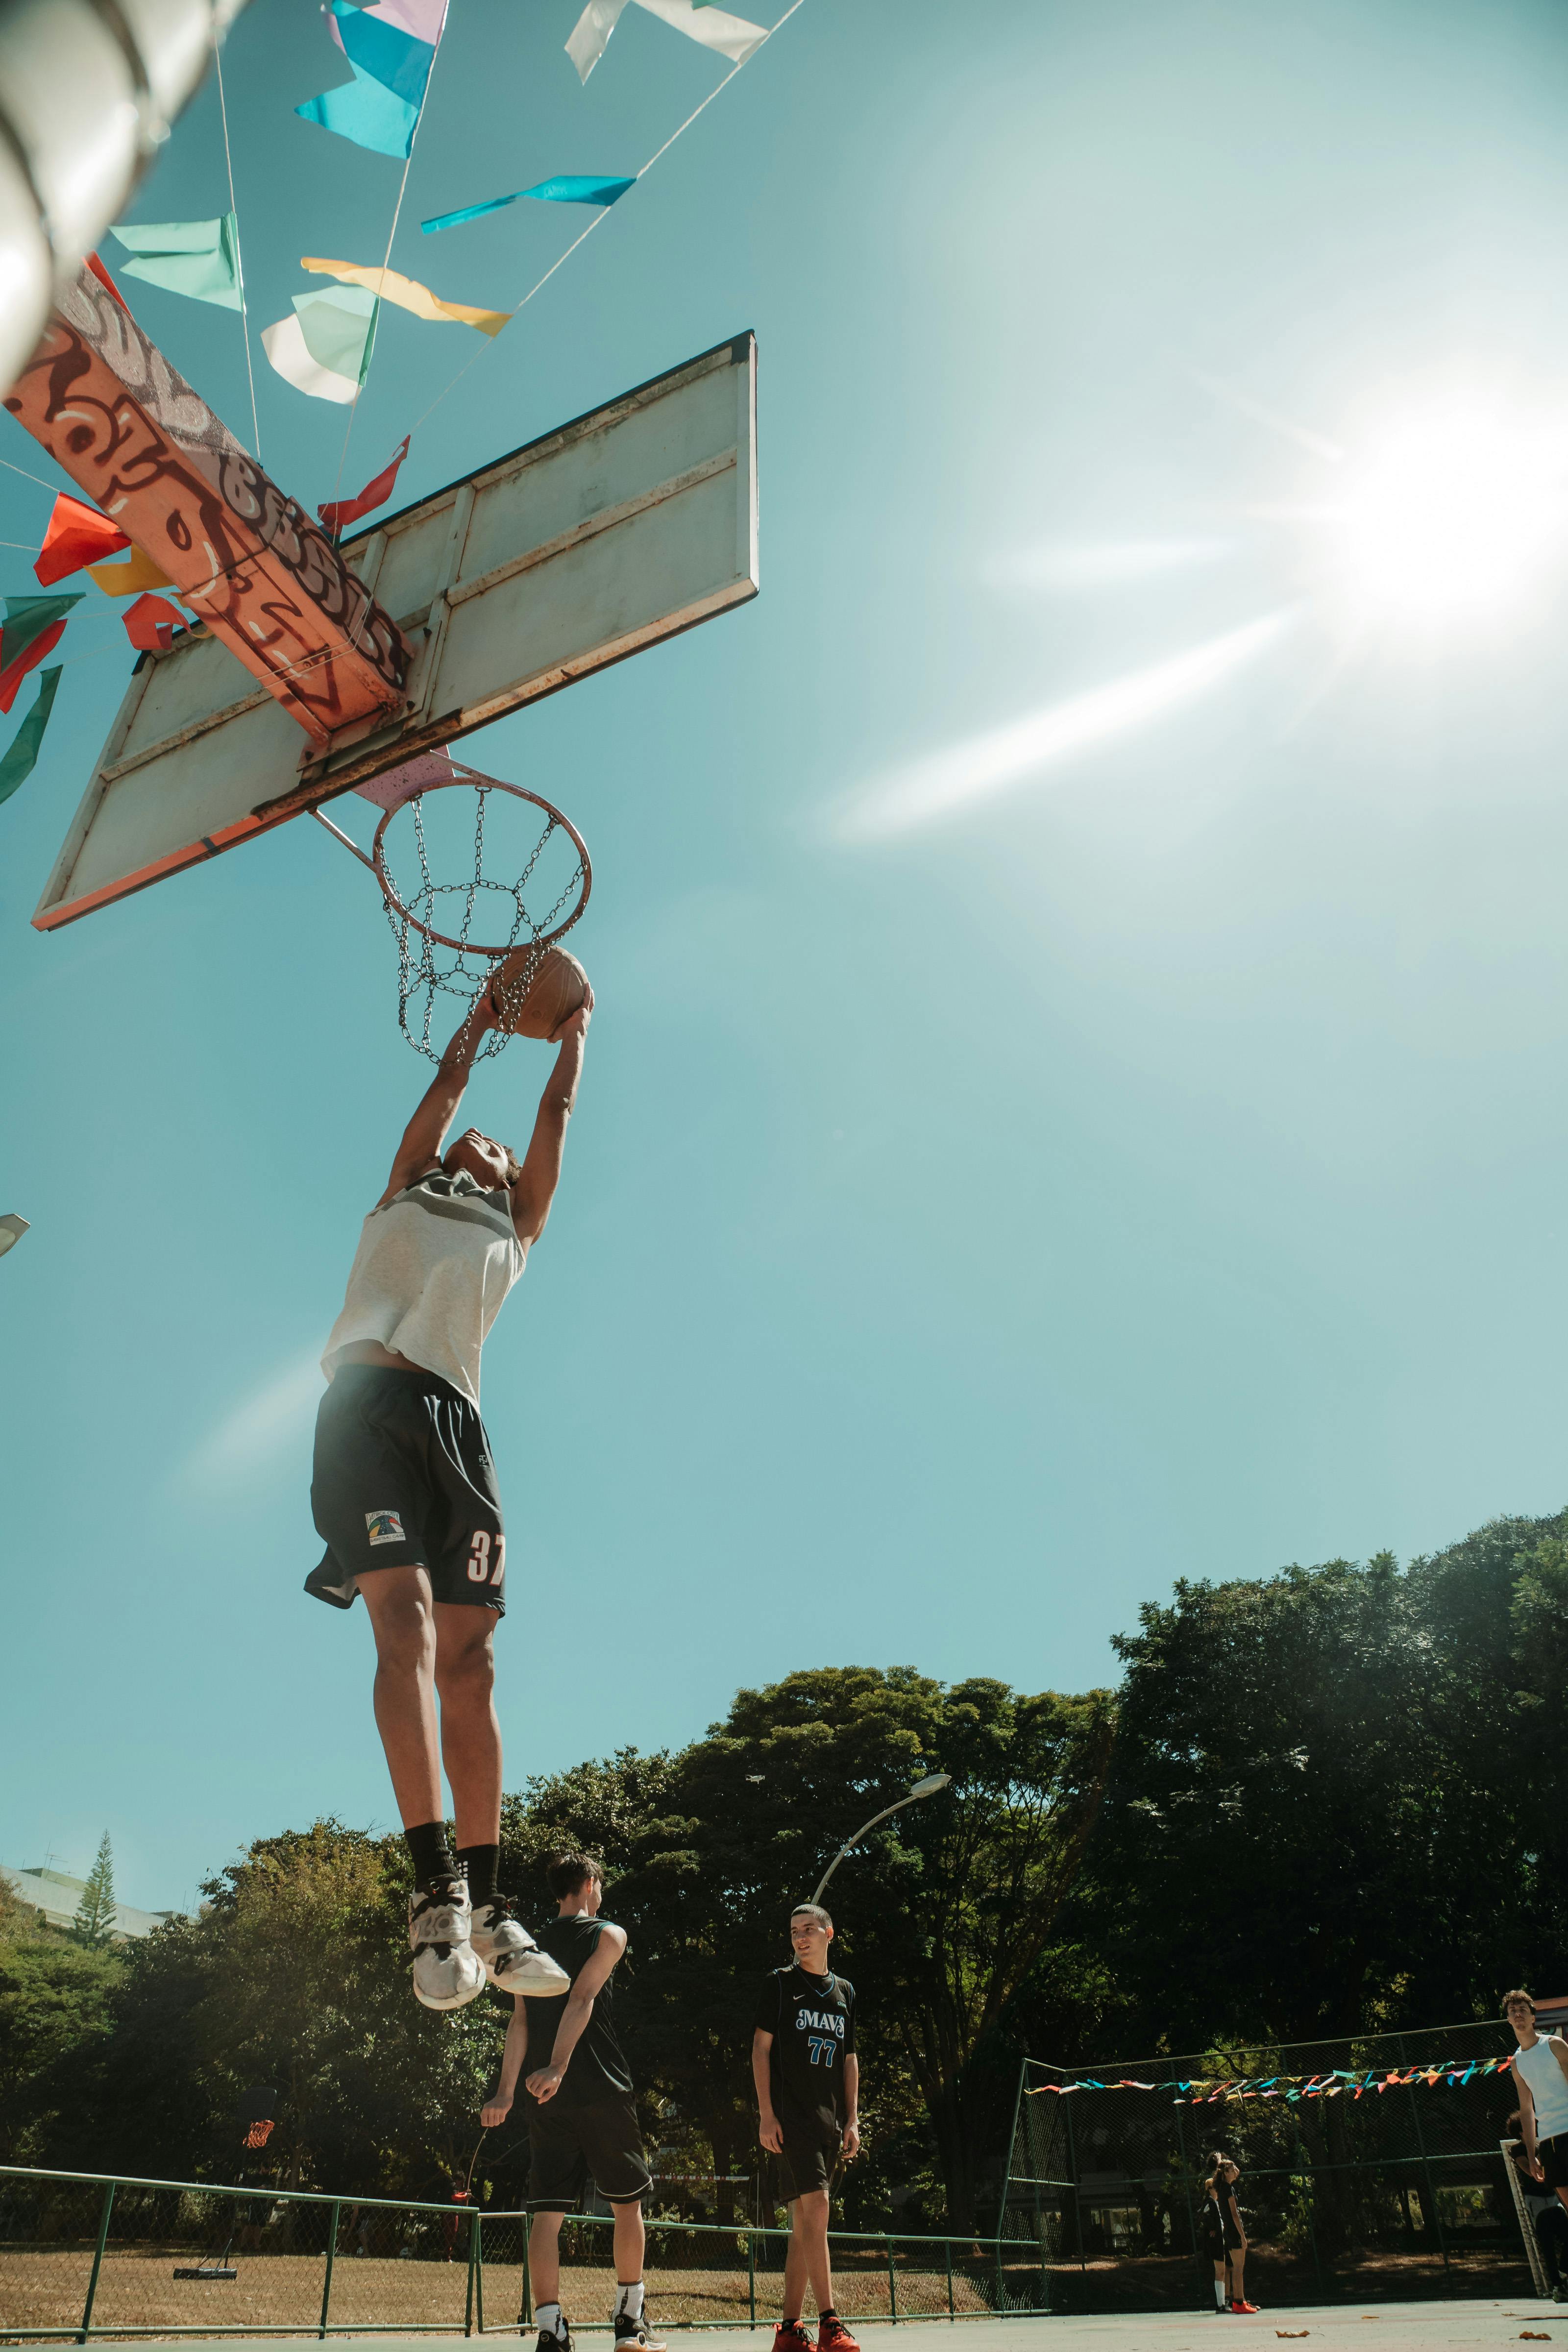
[{"x": 536, "y": 1008}]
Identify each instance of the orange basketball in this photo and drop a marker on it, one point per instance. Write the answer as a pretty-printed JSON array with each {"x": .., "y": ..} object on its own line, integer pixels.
[{"x": 535, "y": 1006}]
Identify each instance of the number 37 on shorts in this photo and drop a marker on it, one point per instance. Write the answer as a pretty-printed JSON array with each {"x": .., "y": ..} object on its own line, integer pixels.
[{"x": 486, "y": 1558}]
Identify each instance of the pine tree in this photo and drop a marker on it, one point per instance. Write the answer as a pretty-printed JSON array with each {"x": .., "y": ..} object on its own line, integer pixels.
[{"x": 95, "y": 1914}]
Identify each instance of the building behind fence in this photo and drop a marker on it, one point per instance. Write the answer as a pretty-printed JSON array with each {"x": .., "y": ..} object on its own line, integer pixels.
[
  {"x": 1397, "y": 2193},
  {"x": 84, "y": 2256}
]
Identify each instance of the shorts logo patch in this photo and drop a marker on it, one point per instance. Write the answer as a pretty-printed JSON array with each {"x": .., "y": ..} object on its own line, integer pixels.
[{"x": 384, "y": 1527}]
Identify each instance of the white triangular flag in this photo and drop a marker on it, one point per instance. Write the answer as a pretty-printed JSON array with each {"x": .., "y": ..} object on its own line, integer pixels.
[
  {"x": 712, "y": 28},
  {"x": 285, "y": 347}
]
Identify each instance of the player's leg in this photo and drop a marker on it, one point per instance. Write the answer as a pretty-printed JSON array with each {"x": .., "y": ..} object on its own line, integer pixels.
[
  {"x": 544, "y": 2278},
  {"x": 611, "y": 2139},
  {"x": 447, "y": 1972},
  {"x": 469, "y": 1586}
]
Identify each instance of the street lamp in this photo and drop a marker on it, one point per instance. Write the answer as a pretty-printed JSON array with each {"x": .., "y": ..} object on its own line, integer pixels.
[
  {"x": 926, "y": 1787},
  {"x": 12, "y": 1228}
]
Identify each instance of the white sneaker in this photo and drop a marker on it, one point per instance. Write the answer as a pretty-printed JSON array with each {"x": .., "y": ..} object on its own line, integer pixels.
[
  {"x": 512, "y": 1959},
  {"x": 448, "y": 1972}
]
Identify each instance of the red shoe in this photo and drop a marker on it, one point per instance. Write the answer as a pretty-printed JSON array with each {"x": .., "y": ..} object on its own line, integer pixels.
[
  {"x": 832, "y": 2335},
  {"x": 1236, "y": 2305},
  {"x": 790, "y": 2336}
]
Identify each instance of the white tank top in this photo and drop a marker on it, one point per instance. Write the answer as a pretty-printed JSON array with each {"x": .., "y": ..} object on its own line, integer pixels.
[
  {"x": 1548, "y": 2088},
  {"x": 429, "y": 1277}
]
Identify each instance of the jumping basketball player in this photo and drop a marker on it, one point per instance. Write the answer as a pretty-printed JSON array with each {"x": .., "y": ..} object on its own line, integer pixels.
[
  {"x": 807, "y": 2081},
  {"x": 404, "y": 1492}
]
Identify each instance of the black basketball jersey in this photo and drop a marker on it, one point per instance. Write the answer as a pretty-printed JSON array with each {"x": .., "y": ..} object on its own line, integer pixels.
[
  {"x": 812, "y": 2020},
  {"x": 596, "y": 2069}
]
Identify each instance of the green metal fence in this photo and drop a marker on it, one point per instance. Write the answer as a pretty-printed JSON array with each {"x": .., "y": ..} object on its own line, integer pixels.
[
  {"x": 90, "y": 2255},
  {"x": 1368, "y": 2193}
]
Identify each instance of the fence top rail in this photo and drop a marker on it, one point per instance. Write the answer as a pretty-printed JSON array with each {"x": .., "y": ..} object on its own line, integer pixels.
[
  {"x": 1471, "y": 2025},
  {"x": 496, "y": 2212}
]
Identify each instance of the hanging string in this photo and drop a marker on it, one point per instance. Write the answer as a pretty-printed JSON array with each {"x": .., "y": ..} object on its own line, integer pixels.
[
  {"x": 386, "y": 263},
  {"x": 29, "y": 477},
  {"x": 602, "y": 216},
  {"x": 238, "y": 257}
]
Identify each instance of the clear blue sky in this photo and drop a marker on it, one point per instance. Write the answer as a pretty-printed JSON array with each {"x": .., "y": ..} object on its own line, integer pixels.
[{"x": 973, "y": 1219}]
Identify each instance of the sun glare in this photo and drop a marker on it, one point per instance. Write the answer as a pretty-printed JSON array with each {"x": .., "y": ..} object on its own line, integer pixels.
[{"x": 1456, "y": 515}]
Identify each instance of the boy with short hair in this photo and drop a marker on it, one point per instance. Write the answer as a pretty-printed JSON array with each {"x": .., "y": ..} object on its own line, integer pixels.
[
  {"x": 807, "y": 2081},
  {"x": 581, "y": 2115},
  {"x": 1541, "y": 2071}
]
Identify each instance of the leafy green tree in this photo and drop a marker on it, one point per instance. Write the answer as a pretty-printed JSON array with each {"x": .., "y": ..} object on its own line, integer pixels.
[
  {"x": 55, "y": 1998},
  {"x": 1337, "y": 1802},
  {"x": 95, "y": 1913}
]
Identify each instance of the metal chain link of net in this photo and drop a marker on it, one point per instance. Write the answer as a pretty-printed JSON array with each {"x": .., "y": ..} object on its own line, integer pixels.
[{"x": 427, "y": 970}]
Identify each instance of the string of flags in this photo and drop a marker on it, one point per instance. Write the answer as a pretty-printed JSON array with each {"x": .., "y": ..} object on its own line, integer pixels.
[
  {"x": 1331, "y": 2084},
  {"x": 324, "y": 348}
]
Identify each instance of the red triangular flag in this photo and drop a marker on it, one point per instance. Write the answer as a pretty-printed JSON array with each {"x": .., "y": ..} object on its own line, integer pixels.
[
  {"x": 28, "y": 658},
  {"x": 150, "y": 623},
  {"x": 338, "y": 512},
  {"x": 77, "y": 535},
  {"x": 104, "y": 279}
]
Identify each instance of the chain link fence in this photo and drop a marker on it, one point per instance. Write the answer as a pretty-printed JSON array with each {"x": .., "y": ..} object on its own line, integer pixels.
[
  {"x": 83, "y": 2255},
  {"x": 1381, "y": 2192}
]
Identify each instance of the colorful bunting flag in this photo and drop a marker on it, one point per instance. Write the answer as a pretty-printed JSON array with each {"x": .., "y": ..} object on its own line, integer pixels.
[
  {"x": 324, "y": 350},
  {"x": 409, "y": 295},
  {"x": 107, "y": 282},
  {"x": 22, "y": 756},
  {"x": 714, "y": 28},
  {"x": 197, "y": 257},
  {"x": 131, "y": 578},
  {"x": 338, "y": 513},
  {"x": 34, "y": 626},
  {"x": 379, "y": 107},
  {"x": 566, "y": 188},
  {"x": 150, "y": 623},
  {"x": 75, "y": 533}
]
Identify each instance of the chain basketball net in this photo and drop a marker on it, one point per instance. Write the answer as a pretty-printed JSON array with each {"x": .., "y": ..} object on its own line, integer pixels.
[{"x": 435, "y": 923}]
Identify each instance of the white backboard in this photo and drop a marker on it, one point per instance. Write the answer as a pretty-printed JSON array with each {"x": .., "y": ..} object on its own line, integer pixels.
[{"x": 618, "y": 529}]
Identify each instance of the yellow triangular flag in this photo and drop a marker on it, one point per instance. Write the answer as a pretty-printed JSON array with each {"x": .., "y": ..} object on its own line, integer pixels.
[
  {"x": 409, "y": 295},
  {"x": 133, "y": 577}
]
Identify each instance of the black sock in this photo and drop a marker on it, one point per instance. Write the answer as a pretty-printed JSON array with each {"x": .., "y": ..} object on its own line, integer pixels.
[
  {"x": 480, "y": 1865},
  {"x": 429, "y": 1853}
]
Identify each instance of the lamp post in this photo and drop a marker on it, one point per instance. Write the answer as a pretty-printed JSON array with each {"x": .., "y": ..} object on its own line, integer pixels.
[
  {"x": 926, "y": 1787},
  {"x": 12, "y": 1228}
]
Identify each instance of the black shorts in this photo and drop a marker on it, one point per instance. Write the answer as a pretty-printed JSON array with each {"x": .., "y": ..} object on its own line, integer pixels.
[
  {"x": 806, "y": 2164},
  {"x": 403, "y": 1479},
  {"x": 1553, "y": 2154},
  {"x": 566, "y": 2146}
]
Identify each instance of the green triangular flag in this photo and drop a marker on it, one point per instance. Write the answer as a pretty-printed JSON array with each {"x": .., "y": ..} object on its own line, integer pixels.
[
  {"x": 23, "y": 756},
  {"x": 197, "y": 257},
  {"x": 339, "y": 327},
  {"x": 27, "y": 618}
]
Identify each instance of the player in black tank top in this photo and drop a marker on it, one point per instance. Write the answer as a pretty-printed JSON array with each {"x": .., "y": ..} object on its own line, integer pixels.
[{"x": 577, "y": 2094}]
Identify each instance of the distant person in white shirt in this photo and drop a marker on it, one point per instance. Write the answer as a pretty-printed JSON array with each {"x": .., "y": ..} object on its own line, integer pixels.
[
  {"x": 404, "y": 1492},
  {"x": 1541, "y": 2071}
]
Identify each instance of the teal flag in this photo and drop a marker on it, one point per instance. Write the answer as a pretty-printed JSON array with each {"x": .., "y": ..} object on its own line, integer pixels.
[
  {"x": 566, "y": 188},
  {"x": 197, "y": 257},
  {"x": 26, "y": 618},
  {"x": 23, "y": 756},
  {"x": 338, "y": 328}
]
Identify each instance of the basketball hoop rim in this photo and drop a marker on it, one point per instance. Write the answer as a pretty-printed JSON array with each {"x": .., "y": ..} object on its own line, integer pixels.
[{"x": 477, "y": 781}]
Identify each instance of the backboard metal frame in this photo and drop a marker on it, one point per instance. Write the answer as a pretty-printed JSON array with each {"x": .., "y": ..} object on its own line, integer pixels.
[{"x": 628, "y": 525}]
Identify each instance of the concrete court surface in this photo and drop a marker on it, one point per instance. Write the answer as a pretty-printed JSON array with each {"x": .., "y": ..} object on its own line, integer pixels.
[{"x": 1473, "y": 2325}]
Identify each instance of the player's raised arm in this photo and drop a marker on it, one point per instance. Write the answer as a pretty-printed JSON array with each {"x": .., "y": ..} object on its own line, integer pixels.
[
  {"x": 535, "y": 1187},
  {"x": 427, "y": 1131}
]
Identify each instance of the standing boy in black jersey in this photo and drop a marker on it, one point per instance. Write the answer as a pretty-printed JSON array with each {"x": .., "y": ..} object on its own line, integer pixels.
[
  {"x": 581, "y": 2118},
  {"x": 808, "y": 2103}
]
